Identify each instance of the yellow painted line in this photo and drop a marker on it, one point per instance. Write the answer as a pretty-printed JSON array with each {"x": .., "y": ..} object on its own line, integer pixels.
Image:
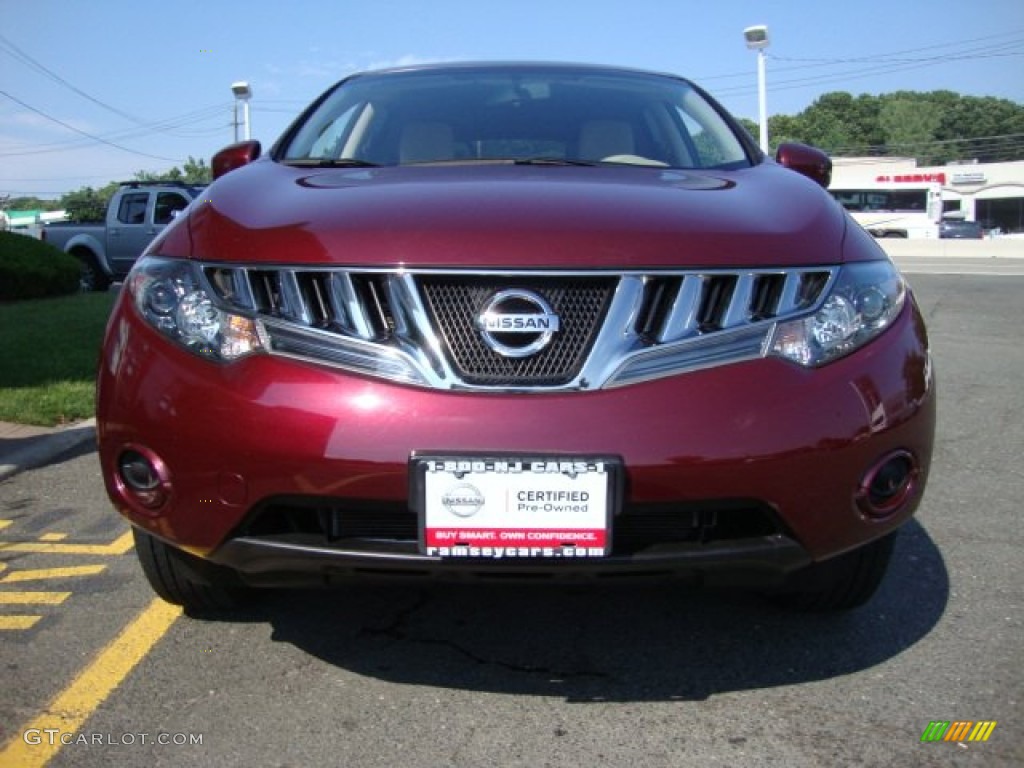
[
  {"x": 53, "y": 537},
  {"x": 18, "y": 622},
  {"x": 40, "y": 574},
  {"x": 3, "y": 567},
  {"x": 118, "y": 546},
  {"x": 33, "y": 598},
  {"x": 73, "y": 706},
  {"x": 5, "y": 523}
]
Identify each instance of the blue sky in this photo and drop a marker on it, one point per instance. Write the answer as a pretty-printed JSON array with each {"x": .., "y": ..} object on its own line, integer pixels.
[{"x": 150, "y": 83}]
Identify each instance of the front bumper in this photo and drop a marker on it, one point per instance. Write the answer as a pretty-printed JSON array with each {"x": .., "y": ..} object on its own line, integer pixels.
[
  {"x": 283, "y": 562},
  {"x": 776, "y": 451}
]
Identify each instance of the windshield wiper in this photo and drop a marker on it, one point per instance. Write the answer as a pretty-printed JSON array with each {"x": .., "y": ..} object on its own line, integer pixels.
[
  {"x": 502, "y": 161},
  {"x": 614, "y": 160},
  {"x": 551, "y": 161},
  {"x": 323, "y": 162}
]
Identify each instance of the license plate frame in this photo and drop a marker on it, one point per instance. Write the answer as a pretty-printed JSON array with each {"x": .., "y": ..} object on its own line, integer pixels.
[{"x": 522, "y": 506}]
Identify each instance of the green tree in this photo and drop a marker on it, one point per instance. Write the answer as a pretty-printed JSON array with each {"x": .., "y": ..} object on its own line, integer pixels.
[
  {"x": 909, "y": 126},
  {"x": 841, "y": 124},
  {"x": 29, "y": 203},
  {"x": 784, "y": 128},
  {"x": 935, "y": 127},
  {"x": 985, "y": 128},
  {"x": 88, "y": 204},
  {"x": 196, "y": 171}
]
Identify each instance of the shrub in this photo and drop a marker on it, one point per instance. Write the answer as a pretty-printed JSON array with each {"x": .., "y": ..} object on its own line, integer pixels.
[{"x": 32, "y": 269}]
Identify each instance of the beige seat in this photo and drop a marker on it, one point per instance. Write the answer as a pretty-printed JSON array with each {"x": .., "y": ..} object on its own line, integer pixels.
[
  {"x": 600, "y": 139},
  {"x": 425, "y": 141}
]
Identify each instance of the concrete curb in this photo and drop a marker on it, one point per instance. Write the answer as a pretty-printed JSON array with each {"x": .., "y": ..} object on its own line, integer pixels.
[
  {"x": 24, "y": 448},
  {"x": 999, "y": 248}
]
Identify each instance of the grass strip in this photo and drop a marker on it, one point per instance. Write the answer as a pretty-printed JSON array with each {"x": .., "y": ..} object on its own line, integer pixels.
[{"x": 49, "y": 349}]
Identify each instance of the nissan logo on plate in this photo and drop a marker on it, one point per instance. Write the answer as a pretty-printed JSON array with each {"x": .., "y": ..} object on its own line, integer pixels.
[
  {"x": 517, "y": 323},
  {"x": 463, "y": 500}
]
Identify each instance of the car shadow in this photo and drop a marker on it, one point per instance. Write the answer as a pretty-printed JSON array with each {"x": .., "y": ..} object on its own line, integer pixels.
[{"x": 589, "y": 643}]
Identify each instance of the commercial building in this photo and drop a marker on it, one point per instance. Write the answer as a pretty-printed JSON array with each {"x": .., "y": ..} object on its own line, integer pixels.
[{"x": 989, "y": 193}]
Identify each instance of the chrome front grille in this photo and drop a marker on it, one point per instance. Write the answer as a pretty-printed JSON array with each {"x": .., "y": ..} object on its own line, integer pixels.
[
  {"x": 681, "y": 306},
  {"x": 454, "y": 303},
  {"x": 422, "y": 327},
  {"x": 351, "y": 304}
]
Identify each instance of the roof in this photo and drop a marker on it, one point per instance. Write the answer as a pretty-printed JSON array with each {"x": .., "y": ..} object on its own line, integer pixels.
[{"x": 516, "y": 66}]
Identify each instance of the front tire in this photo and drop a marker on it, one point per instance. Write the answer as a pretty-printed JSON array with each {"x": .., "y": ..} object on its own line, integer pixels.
[
  {"x": 842, "y": 583},
  {"x": 91, "y": 277},
  {"x": 181, "y": 579}
]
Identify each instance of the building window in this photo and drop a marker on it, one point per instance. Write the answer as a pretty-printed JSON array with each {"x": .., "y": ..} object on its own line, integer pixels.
[{"x": 1004, "y": 214}]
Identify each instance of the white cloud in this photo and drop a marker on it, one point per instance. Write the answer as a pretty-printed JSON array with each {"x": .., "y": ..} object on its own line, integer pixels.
[{"x": 409, "y": 60}]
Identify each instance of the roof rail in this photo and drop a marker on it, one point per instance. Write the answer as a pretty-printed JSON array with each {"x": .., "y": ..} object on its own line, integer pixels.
[{"x": 142, "y": 183}]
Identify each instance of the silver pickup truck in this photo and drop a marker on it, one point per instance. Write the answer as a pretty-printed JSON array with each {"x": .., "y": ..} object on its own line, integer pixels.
[{"x": 136, "y": 214}]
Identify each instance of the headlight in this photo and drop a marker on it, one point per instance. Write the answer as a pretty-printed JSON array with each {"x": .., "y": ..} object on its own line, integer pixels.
[
  {"x": 170, "y": 294},
  {"x": 866, "y": 298}
]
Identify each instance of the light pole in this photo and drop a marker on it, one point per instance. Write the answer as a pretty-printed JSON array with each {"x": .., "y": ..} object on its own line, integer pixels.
[
  {"x": 242, "y": 93},
  {"x": 757, "y": 40}
]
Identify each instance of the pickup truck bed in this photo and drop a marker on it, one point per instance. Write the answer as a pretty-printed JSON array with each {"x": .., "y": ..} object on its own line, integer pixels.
[{"x": 136, "y": 214}]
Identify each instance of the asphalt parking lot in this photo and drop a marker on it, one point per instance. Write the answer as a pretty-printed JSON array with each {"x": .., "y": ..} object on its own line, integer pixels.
[{"x": 512, "y": 676}]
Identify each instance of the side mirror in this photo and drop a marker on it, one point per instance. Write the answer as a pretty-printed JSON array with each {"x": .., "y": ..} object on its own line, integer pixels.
[
  {"x": 805, "y": 160},
  {"x": 234, "y": 156}
]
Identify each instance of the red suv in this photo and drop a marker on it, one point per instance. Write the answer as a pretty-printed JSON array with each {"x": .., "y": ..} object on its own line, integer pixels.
[{"x": 480, "y": 321}]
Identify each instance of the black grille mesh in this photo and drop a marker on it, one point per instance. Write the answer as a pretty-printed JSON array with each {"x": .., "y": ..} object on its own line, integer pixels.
[
  {"x": 639, "y": 527},
  {"x": 455, "y": 303}
]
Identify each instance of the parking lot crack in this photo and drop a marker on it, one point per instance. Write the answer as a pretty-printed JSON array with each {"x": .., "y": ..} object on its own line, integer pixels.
[
  {"x": 397, "y": 629},
  {"x": 583, "y": 672}
]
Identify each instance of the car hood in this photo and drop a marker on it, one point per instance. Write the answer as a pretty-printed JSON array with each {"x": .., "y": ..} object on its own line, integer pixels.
[{"x": 508, "y": 216}]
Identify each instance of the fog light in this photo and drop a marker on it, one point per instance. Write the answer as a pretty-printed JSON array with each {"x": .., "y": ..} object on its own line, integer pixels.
[
  {"x": 141, "y": 476},
  {"x": 888, "y": 485}
]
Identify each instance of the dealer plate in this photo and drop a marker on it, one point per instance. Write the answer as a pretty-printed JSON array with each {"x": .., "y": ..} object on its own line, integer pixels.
[{"x": 515, "y": 507}]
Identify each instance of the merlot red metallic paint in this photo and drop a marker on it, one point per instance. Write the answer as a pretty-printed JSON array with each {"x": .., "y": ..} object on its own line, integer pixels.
[
  {"x": 799, "y": 440},
  {"x": 231, "y": 437},
  {"x": 457, "y": 216}
]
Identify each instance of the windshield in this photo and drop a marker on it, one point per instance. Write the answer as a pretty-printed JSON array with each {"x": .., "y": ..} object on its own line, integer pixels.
[{"x": 514, "y": 114}]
